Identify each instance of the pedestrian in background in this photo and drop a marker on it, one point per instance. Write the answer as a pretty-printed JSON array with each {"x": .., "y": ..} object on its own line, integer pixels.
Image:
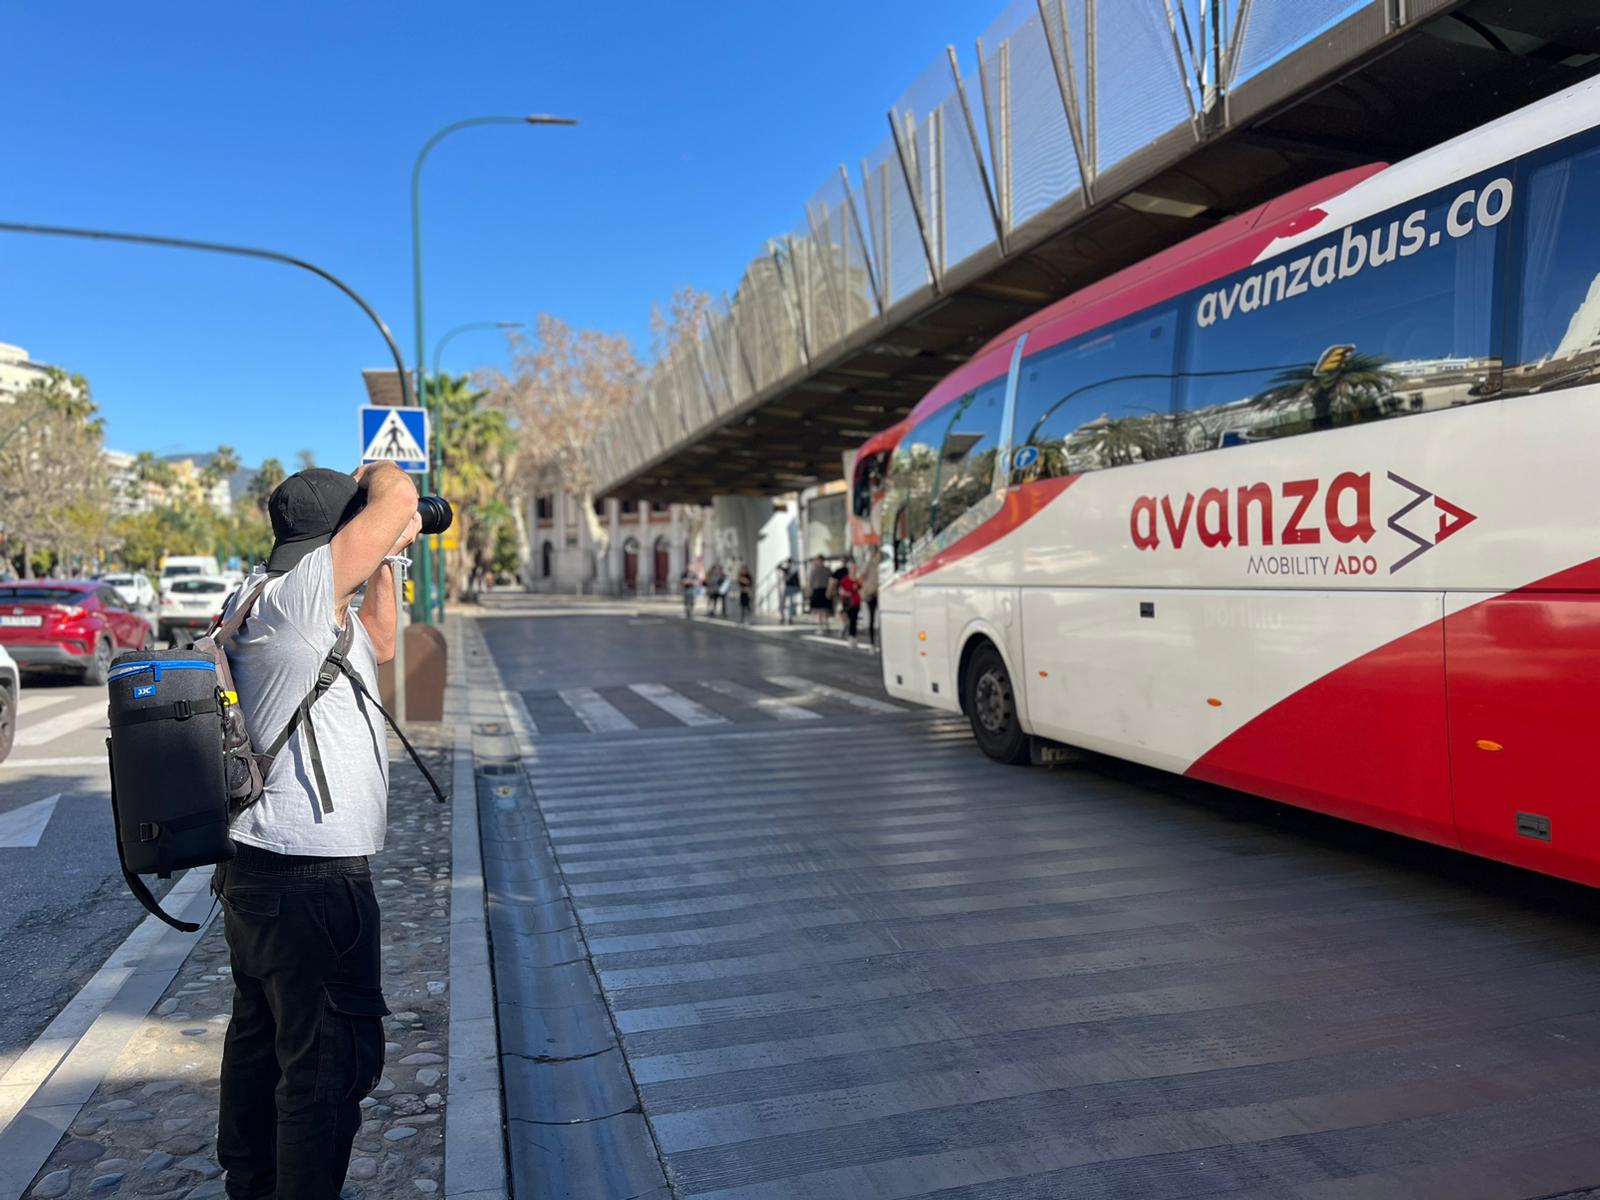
[
  {"x": 724, "y": 586},
  {"x": 850, "y": 599},
  {"x": 747, "y": 587},
  {"x": 820, "y": 581},
  {"x": 791, "y": 591},
  {"x": 869, "y": 592},
  {"x": 835, "y": 601},
  {"x": 689, "y": 582},
  {"x": 714, "y": 579}
]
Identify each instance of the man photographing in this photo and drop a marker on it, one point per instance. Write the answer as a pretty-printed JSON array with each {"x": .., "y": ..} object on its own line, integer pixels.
[{"x": 305, "y": 1044}]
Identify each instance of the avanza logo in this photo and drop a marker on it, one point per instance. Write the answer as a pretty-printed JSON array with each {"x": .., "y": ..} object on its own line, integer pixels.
[
  {"x": 1300, "y": 512},
  {"x": 1452, "y": 518}
]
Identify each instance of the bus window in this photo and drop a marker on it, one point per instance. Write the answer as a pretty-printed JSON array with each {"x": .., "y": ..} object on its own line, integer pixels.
[
  {"x": 1390, "y": 316},
  {"x": 1102, "y": 400},
  {"x": 1558, "y": 342},
  {"x": 971, "y": 442},
  {"x": 911, "y": 478}
]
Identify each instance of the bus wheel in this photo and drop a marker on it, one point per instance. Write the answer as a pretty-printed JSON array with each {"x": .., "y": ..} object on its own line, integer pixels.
[{"x": 992, "y": 708}]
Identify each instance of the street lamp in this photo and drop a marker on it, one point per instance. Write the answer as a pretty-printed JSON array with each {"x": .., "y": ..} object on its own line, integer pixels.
[
  {"x": 437, "y": 464},
  {"x": 423, "y": 603}
]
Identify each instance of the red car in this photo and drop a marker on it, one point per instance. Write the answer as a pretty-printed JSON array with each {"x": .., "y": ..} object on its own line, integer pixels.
[{"x": 69, "y": 624}]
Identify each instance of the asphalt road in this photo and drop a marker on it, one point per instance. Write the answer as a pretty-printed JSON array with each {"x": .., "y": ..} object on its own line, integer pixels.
[
  {"x": 63, "y": 904},
  {"x": 847, "y": 956}
]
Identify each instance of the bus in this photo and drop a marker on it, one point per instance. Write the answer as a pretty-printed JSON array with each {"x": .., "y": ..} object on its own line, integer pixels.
[{"x": 1307, "y": 505}]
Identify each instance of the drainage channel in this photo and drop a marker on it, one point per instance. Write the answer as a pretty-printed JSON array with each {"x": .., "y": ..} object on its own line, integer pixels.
[{"x": 574, "y": 1127}]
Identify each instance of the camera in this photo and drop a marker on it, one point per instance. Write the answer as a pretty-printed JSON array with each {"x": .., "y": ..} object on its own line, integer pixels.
[{"x": 435, "y": 512}]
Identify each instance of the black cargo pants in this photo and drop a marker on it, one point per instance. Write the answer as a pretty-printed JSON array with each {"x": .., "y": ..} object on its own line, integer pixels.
[{"x": 306, "y": 1041}]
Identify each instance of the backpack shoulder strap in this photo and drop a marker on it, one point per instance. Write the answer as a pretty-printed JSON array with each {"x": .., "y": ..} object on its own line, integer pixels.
[
  {"x": 332, "y": 666},
  {"x": 222, "y": 632}
]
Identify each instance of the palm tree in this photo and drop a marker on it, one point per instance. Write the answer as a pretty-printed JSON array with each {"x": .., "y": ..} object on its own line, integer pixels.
[
  {"x": 268, "y": 476},
  {"x": 1356, "y": 381},
  {"x": 477, "y": 449},
  {"x": 224, "y": 462}
]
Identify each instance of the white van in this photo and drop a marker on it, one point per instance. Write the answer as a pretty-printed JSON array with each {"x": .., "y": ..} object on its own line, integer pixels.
[{"x": 179, "y": 565}]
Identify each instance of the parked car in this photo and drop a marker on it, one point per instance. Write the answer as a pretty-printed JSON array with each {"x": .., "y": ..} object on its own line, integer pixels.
[
  {"x": 187, "y": 566},
  {"x": 135, "y": 588},
  {"x": 189, "y": 603},
  {"x": 69, "y": 624},
  {"x": 10, "y": 696}
]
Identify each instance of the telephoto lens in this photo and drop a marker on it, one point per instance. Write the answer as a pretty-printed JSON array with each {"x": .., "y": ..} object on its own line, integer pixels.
[{"x": 435, "y": 512}]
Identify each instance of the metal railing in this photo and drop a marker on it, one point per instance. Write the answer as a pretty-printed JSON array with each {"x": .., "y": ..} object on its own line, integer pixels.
[{"x": 1067, "y": 91}]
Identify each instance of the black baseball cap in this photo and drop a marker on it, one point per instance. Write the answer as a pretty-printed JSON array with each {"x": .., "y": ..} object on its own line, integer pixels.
[{"x": 306, "y": 510}]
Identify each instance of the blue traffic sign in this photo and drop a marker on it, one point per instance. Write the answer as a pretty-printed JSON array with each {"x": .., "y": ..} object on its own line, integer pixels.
[
  {"x": 1024, "y": 457},
  {"x": 398, "y": 435}
]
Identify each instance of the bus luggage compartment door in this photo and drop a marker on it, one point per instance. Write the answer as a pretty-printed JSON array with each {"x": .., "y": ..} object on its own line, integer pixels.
[
  {"x": 930, "y": 649},
  {"x": 1524, "y": 689}
]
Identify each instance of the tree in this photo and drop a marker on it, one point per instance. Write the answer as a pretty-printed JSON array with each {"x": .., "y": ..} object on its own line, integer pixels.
[
  {"x": 478, "y": 454},
  {"x": 224, "y": 462},
  {"x": 268, "y": 476},
  {"x": 564, "y": 385},
  {"x": 1358, "y": 383},
  {"x": 54, "y": 486},
  {"x": 306, "y": 458}
]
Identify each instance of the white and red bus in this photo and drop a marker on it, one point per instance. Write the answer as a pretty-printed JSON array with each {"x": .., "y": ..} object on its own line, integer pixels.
[{"x": 1308, "y": 505}]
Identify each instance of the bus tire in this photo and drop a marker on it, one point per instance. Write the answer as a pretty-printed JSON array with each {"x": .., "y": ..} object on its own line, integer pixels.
[{"x": 991, "y": 706}]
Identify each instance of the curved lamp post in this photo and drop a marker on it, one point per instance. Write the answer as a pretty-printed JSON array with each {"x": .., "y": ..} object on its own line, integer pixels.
[
  {"x": 437, "y": 465},
  {"x": 424, "y": 600}
]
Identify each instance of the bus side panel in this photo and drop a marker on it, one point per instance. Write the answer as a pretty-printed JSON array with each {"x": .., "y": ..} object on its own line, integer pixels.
[
  {"x": 1365, "y": 741},
  {"x": 896, "y": 641},
  {"x": 1524, "y": 685}
]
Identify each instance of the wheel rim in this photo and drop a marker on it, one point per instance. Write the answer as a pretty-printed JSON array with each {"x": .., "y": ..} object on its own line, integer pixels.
[
  {"x": 992, "y": 701},
  {"x": 102, "y": 658},
  {"x": 6, "y": 721}
]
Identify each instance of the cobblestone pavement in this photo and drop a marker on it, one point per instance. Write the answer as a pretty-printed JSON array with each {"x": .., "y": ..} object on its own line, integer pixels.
[{"x": 150, "y": 1129}]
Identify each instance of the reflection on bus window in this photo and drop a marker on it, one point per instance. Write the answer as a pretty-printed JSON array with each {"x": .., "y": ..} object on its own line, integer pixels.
[
  {"x": 1103, "y": 400},
  {"x": 1391, "y": 316},
  {"x": 916, "y": 462},
  {"x": 1558, "y": 344},
  {"x": 967, "y": 456}
]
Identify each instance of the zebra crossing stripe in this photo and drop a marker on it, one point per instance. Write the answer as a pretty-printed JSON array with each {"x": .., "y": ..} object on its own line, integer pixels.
[
  {"x": 797, "y": 684},
  {"x": 61, "y": 725},
  {"x": 33, "y": 702},
  {"x": 595, "y": 711},
  {"x": 771, "y": 704},
  {"x": 686, "y": 710}
]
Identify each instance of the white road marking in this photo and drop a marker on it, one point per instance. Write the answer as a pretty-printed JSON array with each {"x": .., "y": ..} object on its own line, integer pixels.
[
  {"x": 23, "y": 827},
  {"x": 798, "y": 684},
  {"x": 595, "y": 711},
  {"x": 61, "y": 725},
  {"x": 81, "y": 760},
  {"x": 33, "y": 702},
  {"x": 686, "y": 710},
  {"x": 53, "y": 1078},
  {"x": 517, "y": 708},
  {"x": 771, "y": 704}
]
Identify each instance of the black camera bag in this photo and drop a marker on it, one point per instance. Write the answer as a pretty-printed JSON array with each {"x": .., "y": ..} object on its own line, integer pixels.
[{"x": 169, "y": 790}]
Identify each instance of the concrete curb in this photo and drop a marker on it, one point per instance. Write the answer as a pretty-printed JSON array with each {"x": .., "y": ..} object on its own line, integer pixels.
[{"x": 474, "y": 1134}]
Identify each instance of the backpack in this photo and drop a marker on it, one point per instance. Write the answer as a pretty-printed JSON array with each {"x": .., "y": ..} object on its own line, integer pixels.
[{"x": 181, "y": 761}]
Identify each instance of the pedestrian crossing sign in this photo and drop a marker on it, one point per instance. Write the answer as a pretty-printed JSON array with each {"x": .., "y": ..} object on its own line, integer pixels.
[{"x": 397, "y": 435}]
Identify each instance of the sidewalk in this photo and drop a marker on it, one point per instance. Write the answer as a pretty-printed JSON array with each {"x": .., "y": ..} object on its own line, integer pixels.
[{"x": 149, "y": 1129}]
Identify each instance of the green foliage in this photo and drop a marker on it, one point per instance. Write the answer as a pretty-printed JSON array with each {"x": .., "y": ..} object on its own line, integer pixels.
[{"x": 268, "y": 476}]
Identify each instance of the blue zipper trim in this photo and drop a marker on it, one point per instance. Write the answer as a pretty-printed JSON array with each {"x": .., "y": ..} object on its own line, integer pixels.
[{"x": 156, "y": 666}]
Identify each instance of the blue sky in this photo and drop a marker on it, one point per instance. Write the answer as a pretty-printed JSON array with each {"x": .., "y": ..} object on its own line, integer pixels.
[{"x": 705, "y": 127}]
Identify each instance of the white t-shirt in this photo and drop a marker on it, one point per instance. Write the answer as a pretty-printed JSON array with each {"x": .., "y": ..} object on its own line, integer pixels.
[{"x": 274, "y": 659}]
